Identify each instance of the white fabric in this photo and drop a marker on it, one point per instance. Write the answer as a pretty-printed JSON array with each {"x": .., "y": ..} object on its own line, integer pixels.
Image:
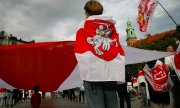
[
  {"x": 102, "y": 17},
  {"x": 178, "y": 49},
  {"x": 170, "y": 61},
  {"x": 135, "y": 55},
  {"x": 72, "y": 81},
  {"x": 132, "y": 56},
  {"x": 3, "y": 84},
  {"x": 135, "y": 82},
  {"x": 141, "y": 79},
  {"x": 135, "y": 85},
  {"x": 147, "y": 72},
  {"x": 93, "y": 68},
  {"x": 82, "y": 88}
]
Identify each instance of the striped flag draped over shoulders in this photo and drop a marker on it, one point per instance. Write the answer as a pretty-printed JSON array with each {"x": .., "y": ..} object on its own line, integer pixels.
[
  {"x": 98, "y": 51},
  {"x": 141, "y": 79},
  {"x": 145, "y": 12}
]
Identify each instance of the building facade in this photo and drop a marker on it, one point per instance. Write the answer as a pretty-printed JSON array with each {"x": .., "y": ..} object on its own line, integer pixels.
[{"x": 11, "y": 40}]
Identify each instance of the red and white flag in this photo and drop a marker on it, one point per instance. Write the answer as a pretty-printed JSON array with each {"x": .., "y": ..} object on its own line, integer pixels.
[
  {"x": 146, "y": 10},
  {"x": 98, "y": 51},
  {"x": 53, "y": 66},
  {"x": 157, "y": 77},
  {"x": 46, "y": 65},
  {"x": 141, "y": 79},
  {"x": 2, "y": 92},
  {"x": 135, "y": 82}
]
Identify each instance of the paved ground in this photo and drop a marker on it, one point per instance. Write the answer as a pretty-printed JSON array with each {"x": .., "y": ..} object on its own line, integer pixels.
[
  {"x": 64, "y": 103},
  {"x": 53, "y": 103},
  {"x": 61, "y": 103}
]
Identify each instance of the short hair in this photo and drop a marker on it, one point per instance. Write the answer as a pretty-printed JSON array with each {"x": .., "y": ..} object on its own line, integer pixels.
[
  {"x": 170, "y": 49},
  {"x": 93, "y": 7}
]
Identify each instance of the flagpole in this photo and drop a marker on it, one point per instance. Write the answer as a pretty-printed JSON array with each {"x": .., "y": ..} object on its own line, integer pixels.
[{"x": 167, "y": 12}]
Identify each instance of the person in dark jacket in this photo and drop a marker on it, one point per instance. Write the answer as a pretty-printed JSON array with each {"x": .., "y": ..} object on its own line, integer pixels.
[
  {"x": 122, "y": 91},
  {"x": 36, "y": 98}
]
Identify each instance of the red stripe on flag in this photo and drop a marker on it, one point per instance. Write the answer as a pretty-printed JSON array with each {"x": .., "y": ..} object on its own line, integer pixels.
[{"x": 45, "y": 64}]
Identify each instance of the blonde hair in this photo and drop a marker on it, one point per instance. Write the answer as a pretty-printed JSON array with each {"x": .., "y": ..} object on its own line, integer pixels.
[
  {"x": 170, "y": 49},
  {"x": 93, "y": 7}
]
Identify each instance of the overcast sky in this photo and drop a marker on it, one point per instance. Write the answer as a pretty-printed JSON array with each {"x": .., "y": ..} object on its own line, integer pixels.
[{"x": 56, "y": 20}]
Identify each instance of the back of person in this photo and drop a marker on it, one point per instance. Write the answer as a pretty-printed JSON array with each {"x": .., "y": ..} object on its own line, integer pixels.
[
  {"x": 36, "y": 100},
  {"x": 172, "y": 64},
  {"x": 122, "y": 91},
  {"x": 100, "y": 57}
]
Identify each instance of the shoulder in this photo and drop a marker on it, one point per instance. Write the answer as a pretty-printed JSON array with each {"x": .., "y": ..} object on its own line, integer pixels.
[
  {"x": 168, "y": 59},
  {"x": 158, "y": 62},
  {"x": 81, "y": 25}
]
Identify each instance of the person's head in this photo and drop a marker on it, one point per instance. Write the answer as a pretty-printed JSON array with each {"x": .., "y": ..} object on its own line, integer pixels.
[
  {"x": 151, "y": 64},
  {"x": 36, "y": 89},
  {"x": 170, "y": 49},
  {"x": 93, "y": 7},
  {"x": 140, "y": 68}
]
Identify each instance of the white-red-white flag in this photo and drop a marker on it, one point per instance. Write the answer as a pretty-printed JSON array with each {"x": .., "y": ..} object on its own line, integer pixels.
[
  {"x": 141, "y": 79},
  {"x": 146, "y": 10},
  {"x": 52, "y": 65},
  {"x": 98, "y": 51},
  {"x": 135, "y": 82}
]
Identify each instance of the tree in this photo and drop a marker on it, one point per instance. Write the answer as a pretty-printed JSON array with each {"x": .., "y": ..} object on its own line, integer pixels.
[
  {"x": 158, "y": 45},
  {"x": 2, "y": 33}
]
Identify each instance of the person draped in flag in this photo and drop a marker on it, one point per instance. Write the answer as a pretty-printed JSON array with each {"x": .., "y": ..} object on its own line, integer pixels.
[
  {"x": 100, "y": 57},
  {"x": 143, "y": 87},
  {"x": 174, "y": 74},
  {"x": 157, "y": 76}
]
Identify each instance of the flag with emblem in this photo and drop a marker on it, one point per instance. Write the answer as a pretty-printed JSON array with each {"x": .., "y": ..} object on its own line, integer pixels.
[
  {"x": 146, "y": 10},
  {"x": 98, "y": 50}
]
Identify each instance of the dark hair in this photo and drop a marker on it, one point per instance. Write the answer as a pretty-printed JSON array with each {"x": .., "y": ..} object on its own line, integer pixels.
[
  {"x": 36, "y": 89},
  {"x": 151, "y": 64},
  {"x": 93, "y": 7}
]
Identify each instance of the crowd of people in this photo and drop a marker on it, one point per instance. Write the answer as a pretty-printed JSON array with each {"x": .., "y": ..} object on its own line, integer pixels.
[
  {"x": 75, "y": 94},
  {"x": 9, "y": 98},
  {"x": 102, "y": 68},
  {"x": 157, "y": 79},
  {"x": 12, "y": 97}
]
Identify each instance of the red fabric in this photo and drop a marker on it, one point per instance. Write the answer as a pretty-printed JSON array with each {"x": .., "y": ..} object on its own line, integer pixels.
[
  {"x": 159, "y": 74},
  {"x": 177, "y": 60},
  {"x": 141, "y": 73},
  {"x": 81, "y": 42},
  {"x": 134, "y": 80},
  {"x": 45, "y": 64},
  {"x": 36, "y": 100},
  {"x": 89, "y": 30},
  {"x": 2, "y": 90}
]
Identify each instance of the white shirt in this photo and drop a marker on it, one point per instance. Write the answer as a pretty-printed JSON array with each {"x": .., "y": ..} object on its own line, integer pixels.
[{"x": 170, "y": 61}]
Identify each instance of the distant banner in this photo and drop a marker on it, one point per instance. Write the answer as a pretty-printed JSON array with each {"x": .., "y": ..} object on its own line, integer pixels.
[{"x": 145, "y": 12}]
